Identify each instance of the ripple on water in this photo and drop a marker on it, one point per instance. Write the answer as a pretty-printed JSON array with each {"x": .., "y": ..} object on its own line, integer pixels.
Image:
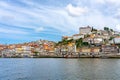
[{"x": 60, "y": 69}]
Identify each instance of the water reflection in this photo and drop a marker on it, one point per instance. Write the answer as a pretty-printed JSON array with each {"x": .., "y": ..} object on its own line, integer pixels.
[{"x": 59, "y": 69}]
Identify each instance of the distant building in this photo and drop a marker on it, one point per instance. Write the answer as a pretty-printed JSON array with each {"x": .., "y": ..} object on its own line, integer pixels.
[
  {"x": 67, "y": 37},
  {"x": 116, "y": 33},
  {"x": 116, "y": 40},
  {"x": 88, "y": 39},
  {"x": 85, "y": 30},
  {"x": 78, "y": 36},
  {"x": 11, "y": 46},
  {"x": 2, "y": 47},
  {"x": 90, "y": 51},
  {"x": 109, "y": 49},
  {"x": 97, "y": 40},
  {"x": 103, "y": 32}
]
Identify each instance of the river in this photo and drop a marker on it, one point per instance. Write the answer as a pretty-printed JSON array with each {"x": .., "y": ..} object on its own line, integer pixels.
[{"x": 59, "y": 69}]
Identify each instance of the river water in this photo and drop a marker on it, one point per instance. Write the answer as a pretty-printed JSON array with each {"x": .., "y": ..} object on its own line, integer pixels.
[{"x": 59, "y": 69}]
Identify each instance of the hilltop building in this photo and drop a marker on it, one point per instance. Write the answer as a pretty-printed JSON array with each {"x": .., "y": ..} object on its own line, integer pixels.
[{"x": 85, "y": 30}]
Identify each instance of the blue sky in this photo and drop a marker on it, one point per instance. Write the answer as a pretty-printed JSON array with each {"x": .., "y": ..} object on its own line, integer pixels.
[{"x": 30, "y": 20}]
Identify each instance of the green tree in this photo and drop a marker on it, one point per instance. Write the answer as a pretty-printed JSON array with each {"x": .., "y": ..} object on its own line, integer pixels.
[
  {"x": 36, "y": 53},
  {"x": 85, "y": 44},
  {"x": 79, "y": 42},
  {"x": 111, "y": 38},
  {"x": 64, "y": 42},
  {"x": 111, "y": 30},
  {"x": 106, "y": 28},
  {"x": 87, "y": 35},
  {"x": 93, "y": 29},
  {"x": 118, "y": 46},
  {"x": 69, "y": 41}
]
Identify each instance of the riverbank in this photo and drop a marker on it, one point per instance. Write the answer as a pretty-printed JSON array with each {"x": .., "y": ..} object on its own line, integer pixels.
[{"x": 102, "y": 57}]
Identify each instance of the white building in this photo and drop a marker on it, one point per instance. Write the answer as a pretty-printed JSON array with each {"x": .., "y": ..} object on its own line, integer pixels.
[
  {"x": 26, "y": 48},
  {"x": 88, "y": 39},
  {"x": 78, "y": 36},
  {"x": 103, "y": 32},
  {"x": 85, "y": 30},
  {"x": 97, "y": 40},
  {"x": 116, "y": 40},
  {"x": 116, "y": 33},
  {"x": 69, "y": 38}
]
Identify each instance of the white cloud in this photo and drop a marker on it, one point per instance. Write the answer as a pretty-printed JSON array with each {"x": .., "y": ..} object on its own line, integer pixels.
[
  {"x": 114, "y": 1},
  {"x": 12, "y": 31},
  {"x": 117, "y": 27},
  {"x": 39, "y": 29},
  {"x": 117, "y": 14},
  {"x": 100, "y": 1},
  {"x": 106, "y": 1},
  {"x": 75, "y": 11},
  {"x": 56, "y": 18}
]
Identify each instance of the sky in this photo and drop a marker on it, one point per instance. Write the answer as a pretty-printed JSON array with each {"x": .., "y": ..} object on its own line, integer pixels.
[{"x": 31, "y": 20}]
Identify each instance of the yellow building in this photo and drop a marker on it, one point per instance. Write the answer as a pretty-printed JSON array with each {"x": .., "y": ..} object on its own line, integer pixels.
[
  {"x": 92, "y": 35},
  {"x": 19, "y": 50},
  {"x": 96, "y": 50},
  {"x": 85, "y": 50},
  {"x": 71, "y": 44}
]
